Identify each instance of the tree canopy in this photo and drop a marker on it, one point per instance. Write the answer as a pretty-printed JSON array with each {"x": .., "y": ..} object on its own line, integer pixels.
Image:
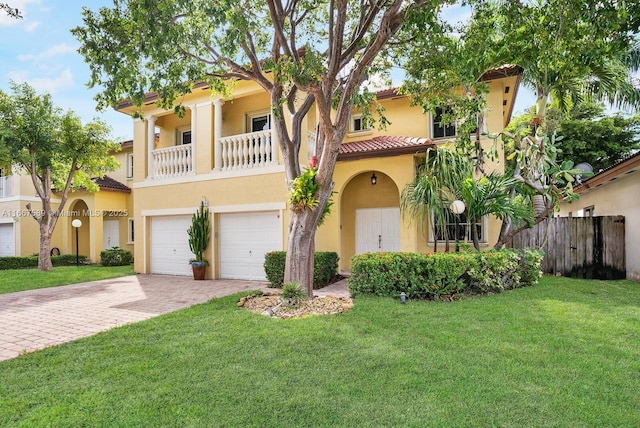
[
  {"x": 589, "y": 135},
  {"x": 55, "y": 149},
  {"x": 301, "y": 53},
  {"x": 568, "y": 50}
]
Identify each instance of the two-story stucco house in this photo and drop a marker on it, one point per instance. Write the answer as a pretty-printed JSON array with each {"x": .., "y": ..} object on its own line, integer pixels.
[
  {"x": 222, "y": 152},
  {"x": 106, "y": 216}
]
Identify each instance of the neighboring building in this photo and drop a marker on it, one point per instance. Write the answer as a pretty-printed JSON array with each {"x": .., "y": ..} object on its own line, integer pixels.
[
  {"x": 223, "y": 152},
  {"x": 106, "y": 215},
  {"x": 613, "y": 191}
]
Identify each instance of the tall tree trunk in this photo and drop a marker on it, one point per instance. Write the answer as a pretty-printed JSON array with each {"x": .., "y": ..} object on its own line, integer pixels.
[
  {"x": 44, "y": 255},
  {"x": 300, "y": 250}
]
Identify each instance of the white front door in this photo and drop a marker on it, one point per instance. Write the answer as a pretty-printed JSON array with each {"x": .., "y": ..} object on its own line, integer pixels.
[
  {"x": 170, "y": 252},
  {"x": 7, "y": 240},
  {"x": 377, "y": 229},
  {"x": 244, "y": 240},
  {"x": 111, "y": 234}
]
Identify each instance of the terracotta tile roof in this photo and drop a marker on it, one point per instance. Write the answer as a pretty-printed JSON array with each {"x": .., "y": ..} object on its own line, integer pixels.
[
  {"x": 383, "y": 146},
  {"x": 108, "y": 183}
]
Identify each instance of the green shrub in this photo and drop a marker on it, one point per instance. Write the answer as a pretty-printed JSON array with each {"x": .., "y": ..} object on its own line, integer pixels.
[
  {"x": 116, "y": 256},
  {"x": 530, "y": 262},
  {"x": 443, "y": 276},
  {"x": 27, "y": 262},
  {"x": 274, "y": 267},
  {"x": 67, "y": 260},
  {"x": 324, "y": 272}
]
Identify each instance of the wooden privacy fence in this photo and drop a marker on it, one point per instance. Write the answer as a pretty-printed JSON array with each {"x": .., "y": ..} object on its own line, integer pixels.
[{"x": 579, "y": 247}]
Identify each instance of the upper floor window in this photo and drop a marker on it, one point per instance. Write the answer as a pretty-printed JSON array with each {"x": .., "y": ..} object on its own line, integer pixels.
[
  {"x": 129, "y": 165},
  {"x": 260, "y": 122},
  {"x": 439, "y": 128},
  {"x": 358, "y": 124},
  {"x": 185, "y": 136}
]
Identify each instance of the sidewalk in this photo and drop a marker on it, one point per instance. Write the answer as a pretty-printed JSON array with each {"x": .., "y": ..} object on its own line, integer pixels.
[{"x": 36, "y": 319}]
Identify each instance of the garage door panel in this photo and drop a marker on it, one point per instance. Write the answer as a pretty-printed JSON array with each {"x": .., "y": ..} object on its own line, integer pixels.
[
  {"x": 170, "y": 252},
  {"x": 245, "y": 238}
]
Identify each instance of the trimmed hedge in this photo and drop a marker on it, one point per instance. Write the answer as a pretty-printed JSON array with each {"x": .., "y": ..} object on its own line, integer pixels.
[
  {"x": 443, "y": 276},
  {"x": 324, "y": 272},
  {"x": 27, "y": 262},
  {"x": 116, "y": 256}
]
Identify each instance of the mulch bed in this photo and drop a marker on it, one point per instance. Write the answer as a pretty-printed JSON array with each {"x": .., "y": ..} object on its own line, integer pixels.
[{"x": 273, "y": 305}]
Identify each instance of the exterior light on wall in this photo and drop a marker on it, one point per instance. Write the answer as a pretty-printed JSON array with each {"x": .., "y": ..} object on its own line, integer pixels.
[
  {"x": 457, "y": 207},
  {"x": 76, "y": 224},
  {"x": 374, "y": 179}
]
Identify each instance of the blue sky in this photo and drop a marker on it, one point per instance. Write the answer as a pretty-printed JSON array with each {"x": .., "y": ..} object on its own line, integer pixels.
[{"x": 41, "y": 51}]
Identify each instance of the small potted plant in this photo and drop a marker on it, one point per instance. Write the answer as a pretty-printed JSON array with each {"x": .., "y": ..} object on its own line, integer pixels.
[{"x": 199, "y": 236}]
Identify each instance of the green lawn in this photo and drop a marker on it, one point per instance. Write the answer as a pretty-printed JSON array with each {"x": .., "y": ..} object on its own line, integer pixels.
[
  {"x": 565, "y": 353},
  {"x": 13, "y": 280}
]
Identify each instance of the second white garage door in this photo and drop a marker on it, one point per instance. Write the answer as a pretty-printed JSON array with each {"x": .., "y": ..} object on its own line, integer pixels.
[
  {"x": 244, "y": 240},
  {"x": 170, "y": 252}
]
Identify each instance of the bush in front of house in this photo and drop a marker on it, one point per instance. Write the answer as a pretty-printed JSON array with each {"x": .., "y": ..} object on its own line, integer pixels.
[
  {"x": 116, "y": 256},
  {"x": 325, "y": 268},
  {"x": 28, "y": 262},
  {"x": 443, "y": 276}
]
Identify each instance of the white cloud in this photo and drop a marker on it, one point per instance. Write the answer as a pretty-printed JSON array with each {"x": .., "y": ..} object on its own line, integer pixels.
[
  {"x": 45, "y": 84},
  {"x": 52, "y": 51},
  {"x": 30, "y": 27}
]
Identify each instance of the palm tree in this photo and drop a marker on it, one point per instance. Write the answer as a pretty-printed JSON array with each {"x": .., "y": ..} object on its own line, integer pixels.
[{"x": 447, "y": 175}]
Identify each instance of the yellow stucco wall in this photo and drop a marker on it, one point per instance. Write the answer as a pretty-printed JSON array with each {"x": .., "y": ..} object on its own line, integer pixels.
[{"x": 244, "y": 190}]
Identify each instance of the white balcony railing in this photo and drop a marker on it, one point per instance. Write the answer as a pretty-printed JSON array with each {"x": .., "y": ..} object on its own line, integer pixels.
[
  {"x": 6, "y": 187},
  {"x": 252, "y": 150},
  {"x": 173, "y": 161}
]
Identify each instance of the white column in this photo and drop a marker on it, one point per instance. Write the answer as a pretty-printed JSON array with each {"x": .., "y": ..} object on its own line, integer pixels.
[
  {"x": 217, "y": 133},
  {"x": 194, "y": 133},
  {"x": 151, "y": 143}
]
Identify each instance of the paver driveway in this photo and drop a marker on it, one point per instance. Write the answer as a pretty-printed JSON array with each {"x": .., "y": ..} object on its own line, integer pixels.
[{"x": 35, "y": 319}]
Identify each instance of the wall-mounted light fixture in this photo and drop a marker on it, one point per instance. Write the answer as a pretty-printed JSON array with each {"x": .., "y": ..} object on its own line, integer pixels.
[{"x": 374, "y": 179}]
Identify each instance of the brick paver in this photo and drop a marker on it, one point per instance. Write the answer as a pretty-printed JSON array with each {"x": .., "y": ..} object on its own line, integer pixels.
[{"x": 36, "y": 319}]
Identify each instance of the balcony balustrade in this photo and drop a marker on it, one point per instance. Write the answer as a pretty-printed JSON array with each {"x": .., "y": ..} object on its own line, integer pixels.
[
  {"x": 172, "y": 162},
  {"x": 251, "y": 150}
]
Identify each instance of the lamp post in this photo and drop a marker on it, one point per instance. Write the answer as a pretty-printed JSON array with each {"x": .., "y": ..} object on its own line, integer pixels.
[
  {"x": 457, "y": 207},
  {"x": 76, "y": 224}
]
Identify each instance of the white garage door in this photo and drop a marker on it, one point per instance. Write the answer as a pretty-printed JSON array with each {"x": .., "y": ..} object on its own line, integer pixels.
[
  {"x": 170, "y": 252},
  {"x": 244, "y": 240},
  {"x": 7, "y": 241}
]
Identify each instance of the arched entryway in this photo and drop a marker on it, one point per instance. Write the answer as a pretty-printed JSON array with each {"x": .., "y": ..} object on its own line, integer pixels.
[
  {"x": 369, "y": 215},
  {"x": 80, "y": 210}
]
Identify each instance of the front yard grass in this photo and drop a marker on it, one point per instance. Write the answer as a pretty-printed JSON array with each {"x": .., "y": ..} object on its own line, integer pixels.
[
  {"x": 563, "y": 353},
  {"x": 13, "y": 280}
]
